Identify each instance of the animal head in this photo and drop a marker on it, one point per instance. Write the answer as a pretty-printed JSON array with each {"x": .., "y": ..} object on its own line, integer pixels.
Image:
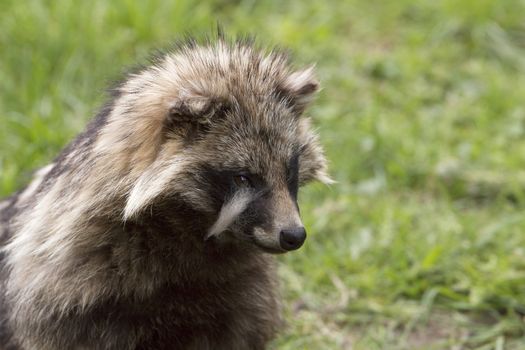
[{"x": 220, "y": 126}]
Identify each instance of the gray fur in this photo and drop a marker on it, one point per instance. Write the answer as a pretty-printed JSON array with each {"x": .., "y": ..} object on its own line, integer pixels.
[{"x": 110, "y": 246}]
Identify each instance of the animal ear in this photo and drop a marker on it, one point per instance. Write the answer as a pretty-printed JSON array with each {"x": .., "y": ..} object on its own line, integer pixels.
[
  {"x": 190, "y": 115},
  {"x": 299, "y": 87},
  {"x": 195, "y": 110}
]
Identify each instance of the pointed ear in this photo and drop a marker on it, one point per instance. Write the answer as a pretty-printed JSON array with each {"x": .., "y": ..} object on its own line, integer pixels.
[{"x": 299, "y": 87}]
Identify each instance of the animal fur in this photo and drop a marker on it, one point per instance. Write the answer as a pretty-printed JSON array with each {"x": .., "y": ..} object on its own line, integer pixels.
[{"x": 152, "y": 229}]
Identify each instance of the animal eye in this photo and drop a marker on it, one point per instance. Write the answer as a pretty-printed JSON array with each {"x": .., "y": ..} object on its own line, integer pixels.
[{"x": 242, "y": 181}]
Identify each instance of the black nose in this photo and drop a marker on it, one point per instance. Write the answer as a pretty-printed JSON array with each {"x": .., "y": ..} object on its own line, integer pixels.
[{"x": 292, "y": 238}]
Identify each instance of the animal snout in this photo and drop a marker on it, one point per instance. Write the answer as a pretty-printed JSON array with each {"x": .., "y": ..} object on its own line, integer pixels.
[{"x": 292, "y": 238}]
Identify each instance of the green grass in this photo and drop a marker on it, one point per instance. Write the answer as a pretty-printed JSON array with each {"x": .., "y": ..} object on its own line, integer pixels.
[{"x": 421, "y": 243}]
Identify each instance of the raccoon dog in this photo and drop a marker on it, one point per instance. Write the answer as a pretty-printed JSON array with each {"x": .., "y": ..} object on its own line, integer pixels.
[{"x": 152, "y": 229}]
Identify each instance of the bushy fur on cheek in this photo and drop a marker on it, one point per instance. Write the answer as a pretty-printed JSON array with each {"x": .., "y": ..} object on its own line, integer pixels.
[{"x": 312, "y": 161}]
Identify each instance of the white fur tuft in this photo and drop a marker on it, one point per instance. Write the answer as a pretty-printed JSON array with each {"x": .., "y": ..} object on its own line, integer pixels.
[
  {"x": 150, "y": 185},
  {"x": 37, "y": 180},
  {"x": 325, "y": 178},
  {"x": 229, "y": 212}
]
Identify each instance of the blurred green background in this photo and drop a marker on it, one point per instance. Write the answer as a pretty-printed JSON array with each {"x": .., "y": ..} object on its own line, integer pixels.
[{"x": 421, "y": 243}]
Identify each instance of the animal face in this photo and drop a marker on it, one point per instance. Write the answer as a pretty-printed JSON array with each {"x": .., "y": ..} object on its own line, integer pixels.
[
  {"x": 251, "y": 164},
  {"x": 235, "y": 145}
]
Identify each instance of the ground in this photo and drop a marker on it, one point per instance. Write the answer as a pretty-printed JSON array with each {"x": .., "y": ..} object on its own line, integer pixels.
[{"x": 420, "y": 244}]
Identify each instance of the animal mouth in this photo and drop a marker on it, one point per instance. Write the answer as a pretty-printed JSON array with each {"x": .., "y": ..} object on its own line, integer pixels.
[
  {"x": 251, "y": 239},
  {"x": 269, "y": 250},
  {"x": 264, "y": 246}
]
